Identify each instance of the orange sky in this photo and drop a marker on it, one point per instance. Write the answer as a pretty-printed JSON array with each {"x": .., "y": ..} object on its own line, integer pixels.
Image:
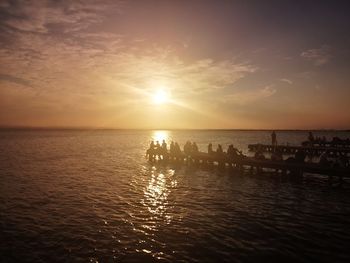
[{"x": 223, "y": 65}]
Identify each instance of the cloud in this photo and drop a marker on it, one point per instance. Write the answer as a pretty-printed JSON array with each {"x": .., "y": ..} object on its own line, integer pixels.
[
  {"x": 287, "y": 81},
  {"x": 248, "y": 97},
  {"x": 38, "y": 16},
  {"x": 17, "y": 80},
  {"x": 318, "y": 56},
  {"x": 56, "y": 50},
  {"x": 103, "y": 62}
]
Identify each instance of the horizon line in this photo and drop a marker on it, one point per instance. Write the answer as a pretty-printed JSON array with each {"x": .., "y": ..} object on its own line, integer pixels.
[{"x": 19, "y": 127}]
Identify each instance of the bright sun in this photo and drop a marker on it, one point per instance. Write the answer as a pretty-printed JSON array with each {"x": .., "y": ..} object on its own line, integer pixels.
[{"x": 160, "y": 97}]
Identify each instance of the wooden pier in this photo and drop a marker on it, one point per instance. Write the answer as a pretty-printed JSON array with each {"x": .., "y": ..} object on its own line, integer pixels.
[
  {"x": 335, "y": 143},
  {"x": 241, "y": 162},
  {"x": 310, "y": 150}
]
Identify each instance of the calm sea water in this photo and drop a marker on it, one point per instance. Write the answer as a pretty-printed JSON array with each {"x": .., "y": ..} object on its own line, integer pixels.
[{"x": 91, "y": 196}]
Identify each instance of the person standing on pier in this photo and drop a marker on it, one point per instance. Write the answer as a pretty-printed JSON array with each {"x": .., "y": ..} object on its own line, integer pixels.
[{"x": 274, "y": 139}]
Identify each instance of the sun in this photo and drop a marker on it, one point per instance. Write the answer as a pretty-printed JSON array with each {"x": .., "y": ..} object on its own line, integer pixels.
[{"x": 160, "y": 97}]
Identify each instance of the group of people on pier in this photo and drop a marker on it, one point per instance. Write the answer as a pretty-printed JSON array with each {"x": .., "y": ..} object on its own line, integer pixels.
[
  {"x": 231, "y": 151},
  {"x": 159, "y": 151},
  {"x": 191, "y": 153}
]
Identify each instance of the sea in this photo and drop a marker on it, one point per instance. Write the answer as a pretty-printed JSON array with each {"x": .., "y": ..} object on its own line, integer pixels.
[{"x": 92, "y": 196}]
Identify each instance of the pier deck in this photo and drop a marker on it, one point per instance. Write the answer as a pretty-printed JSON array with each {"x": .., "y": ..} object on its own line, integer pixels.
[
  {"x": 339, "y": 143},
  {"x": 259, "y": 165},
  {"x": 311, "y": 150}
]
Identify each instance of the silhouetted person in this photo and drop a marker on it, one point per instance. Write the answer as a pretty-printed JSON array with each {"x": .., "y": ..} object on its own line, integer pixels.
[
  {"x": 259, "y": 155},
  {"x": 210, "y": 149},
  {"x": 343, "y": 161},
  {"x": 164, "y": 145},
  {"x": 219, "y": 150},
  {"x": 300, "y": 156},
  {"x": 158, "y": 149},
  {"x": 188, "y": 148},
  {"x": 277, "y": 155},
  {"x": 164, "y": 150},
  {"x": 311, "y": 137},
  {"x": 274, "y": 138},
  {"x": 177, "y": 151},
  {"x": 195, "y": 148},
  {"x": 194, "y": 152},
  {"x": 233, "y": 152},
  {"x": 151, "y": 151},
  {"x": 172, "y": 148},
  {"x": 230, "y": 152},
  {"x": 152, "y": 146},
  {"x": 324, "y": 159}
]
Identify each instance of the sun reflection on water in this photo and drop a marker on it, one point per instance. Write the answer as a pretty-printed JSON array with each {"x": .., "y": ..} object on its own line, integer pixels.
[
  {"x": 156, "y": 194},
  {"x": 160, "y": 136}
]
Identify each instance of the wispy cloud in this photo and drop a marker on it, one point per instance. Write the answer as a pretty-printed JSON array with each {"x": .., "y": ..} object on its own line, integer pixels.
[
  {"x": 39, "y": 16},
  {"x": 251, "y": 96},
  {"x": 55, "y": 48},
  {"x": 287, "y": 81},
  {"x": 318, "y": 56},
  {"x": 17, "y": 80}
]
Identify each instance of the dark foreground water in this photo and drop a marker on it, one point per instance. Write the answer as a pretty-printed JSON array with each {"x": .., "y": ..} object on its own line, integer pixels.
[{"x": 91, "y": 196}]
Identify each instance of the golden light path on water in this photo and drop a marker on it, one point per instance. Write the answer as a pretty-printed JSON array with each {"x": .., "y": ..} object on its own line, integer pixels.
[
  {"x": 160, "y": 136},
  {"x": 158, "y": 186},
  {"x": 157, "y": 191}
]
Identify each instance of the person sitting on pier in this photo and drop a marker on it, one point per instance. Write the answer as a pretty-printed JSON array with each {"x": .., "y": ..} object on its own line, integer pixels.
[
  {"x": 188, "y": 150},
  {"x": 219, "y": 151},
  {"x": 177, "y": 151},
  {"x": 164, "y": 150},
  {"x": 324, "y": 161},
  {"x": 210, "y": 149},
  {"x": 151, "y": 151},
  {"x": 277, "y": 155},
  {"x": 259, "y": 155},
  {"x": 336, "y": 139},
  {"x": 194, "y": 153},
  {"x": 230, "y": 151},
  {"x": 300, "y": 156},
  {"x": 152, "y": 146},
  {"x": 343, "y": 161},
  {"x": 311, "y": 137},
  {"x": 194, "y": 148},
  {"x": 157, "y": 150},
  {"x": 233, "y": 152},
  {"x": 172, "y": 148}
]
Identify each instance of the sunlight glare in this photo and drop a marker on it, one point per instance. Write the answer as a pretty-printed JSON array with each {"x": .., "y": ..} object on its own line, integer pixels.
[
  {"x": 161, "y": 97},
  {"x": 160, "y": 136}
]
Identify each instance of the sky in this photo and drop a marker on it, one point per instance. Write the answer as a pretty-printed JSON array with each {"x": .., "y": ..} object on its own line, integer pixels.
[{"x": 222, "y": 64}]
